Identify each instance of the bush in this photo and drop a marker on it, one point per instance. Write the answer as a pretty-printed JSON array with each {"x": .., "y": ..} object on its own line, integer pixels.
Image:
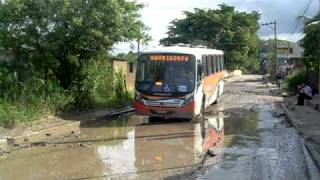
[
  {"x": 120, "y": 88},
  {"x": 109, "y": 87},
  {"x": 251, "y": 66},
  {"x": 24, "y": 102},
  {"x": 293, "y": 81}
]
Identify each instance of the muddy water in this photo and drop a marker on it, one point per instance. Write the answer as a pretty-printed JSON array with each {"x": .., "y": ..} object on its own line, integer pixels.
[
  {"x": 258, "y": 145},
  {"x": 243, "y": 144},
  {"x": 129, "y": 148}
]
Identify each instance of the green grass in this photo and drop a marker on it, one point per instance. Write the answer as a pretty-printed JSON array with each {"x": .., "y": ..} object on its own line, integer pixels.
[
  {"x": 112, "y": 101},
  {"x": 12, "y": 114},
  {"x": 28, "y": 101}
]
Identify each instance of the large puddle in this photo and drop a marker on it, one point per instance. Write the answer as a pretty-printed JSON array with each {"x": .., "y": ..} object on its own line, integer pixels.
[
  {"x": 143, "y": 148},
  {"x": 134, "y": 147}
]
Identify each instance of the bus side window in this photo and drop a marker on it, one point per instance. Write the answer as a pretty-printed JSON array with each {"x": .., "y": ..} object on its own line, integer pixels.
[
  {"x": 212, "y": 64},
  {"x": 218, "y": 63},
  {"x": 223, "y": 62},
  {"x": 215, "y": 63},
  {"x": 204, "y": 64},
  {"x": 209, "y": 65},
  {"x": 199, "y": 71}
]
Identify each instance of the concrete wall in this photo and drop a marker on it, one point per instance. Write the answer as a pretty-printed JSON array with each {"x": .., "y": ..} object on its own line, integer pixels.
[{"x": 128, "y": 69}]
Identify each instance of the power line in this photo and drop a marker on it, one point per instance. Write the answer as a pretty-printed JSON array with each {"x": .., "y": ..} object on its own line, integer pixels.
[
  {"x": 222, "y": 22},
  {"x": 231, "y": 25},
  {"x": 234, "y": 24},
  {"x": 302, "y": 13}
]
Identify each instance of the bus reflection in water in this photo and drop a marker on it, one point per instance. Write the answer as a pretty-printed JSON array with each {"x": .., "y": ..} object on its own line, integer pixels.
[{"x": 170, "y": 147}]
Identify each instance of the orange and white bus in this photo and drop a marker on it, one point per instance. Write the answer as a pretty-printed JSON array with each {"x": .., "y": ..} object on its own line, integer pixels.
[{"x": 178, "y": 82}]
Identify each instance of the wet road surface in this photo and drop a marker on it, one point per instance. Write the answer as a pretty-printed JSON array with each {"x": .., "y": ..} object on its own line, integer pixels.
[{"x": 243, "y": 137}]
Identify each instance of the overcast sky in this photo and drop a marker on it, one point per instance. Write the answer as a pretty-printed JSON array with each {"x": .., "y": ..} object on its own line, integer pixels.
[{"x": 157, "y": 15}]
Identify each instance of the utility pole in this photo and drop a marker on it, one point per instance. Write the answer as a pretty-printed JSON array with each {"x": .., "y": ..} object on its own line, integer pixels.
[
  {"x": 138, "y": 43},
  {"x": 274, "y": 28}
]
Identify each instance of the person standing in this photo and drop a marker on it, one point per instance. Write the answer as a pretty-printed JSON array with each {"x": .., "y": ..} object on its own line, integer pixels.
[
  {"x": 278, "y": 78},
  {"x": 305, "y": 92}
]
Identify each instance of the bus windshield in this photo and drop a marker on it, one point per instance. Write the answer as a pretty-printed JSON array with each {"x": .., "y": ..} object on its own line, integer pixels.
[{"x": 166, "y": 73}]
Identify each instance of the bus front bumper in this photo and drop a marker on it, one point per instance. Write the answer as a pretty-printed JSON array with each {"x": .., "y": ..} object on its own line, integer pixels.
[{"x": 186, "y": 111}]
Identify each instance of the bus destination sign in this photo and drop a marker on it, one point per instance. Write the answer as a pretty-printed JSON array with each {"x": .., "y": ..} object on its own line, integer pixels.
[{"x": 169, "y": 58}]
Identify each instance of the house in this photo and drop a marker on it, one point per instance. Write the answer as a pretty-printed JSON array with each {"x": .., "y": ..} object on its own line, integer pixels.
[{"x": 289, "y": 58}]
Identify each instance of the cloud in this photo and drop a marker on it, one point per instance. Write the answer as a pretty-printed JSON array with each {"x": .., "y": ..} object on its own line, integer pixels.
[
  {"x": 284, "y": 11},
  {"x": 285, "y": 36},
  {"x": 159, "y": 13}
]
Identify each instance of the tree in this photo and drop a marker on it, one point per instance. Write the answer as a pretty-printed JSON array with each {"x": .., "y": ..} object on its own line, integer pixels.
[
  {"x": 58, "y": 38},
  {"x": 311, "y": 43},
  {"x": 130, "y": 56},
  {"x": 224, "y": 28}
]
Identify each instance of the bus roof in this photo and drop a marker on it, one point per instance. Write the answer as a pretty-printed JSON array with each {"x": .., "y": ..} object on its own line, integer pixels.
[{"x": 198, "y": 52}]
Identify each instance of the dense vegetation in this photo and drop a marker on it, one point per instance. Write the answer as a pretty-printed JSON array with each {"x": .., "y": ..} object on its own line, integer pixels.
[
  {"x": 311, "y": 44},
  {"x": 58, "y": 53},
  {"x": 224, "y": 28},
  {"x": 293, "y": 81}
]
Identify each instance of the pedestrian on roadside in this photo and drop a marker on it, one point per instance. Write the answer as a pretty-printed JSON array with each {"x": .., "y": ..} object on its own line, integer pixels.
[
  {"x": 305, "y": 92},
  {"x": 278, "y": 78}
]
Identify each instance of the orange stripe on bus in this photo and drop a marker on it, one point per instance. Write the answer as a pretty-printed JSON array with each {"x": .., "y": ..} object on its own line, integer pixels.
[{"x": 210, "y": 83}]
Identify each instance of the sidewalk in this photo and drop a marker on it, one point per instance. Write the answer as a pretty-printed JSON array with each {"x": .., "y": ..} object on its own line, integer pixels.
[
  {"x": 306, "y": 120},
  {"x": 314, "y": 103}
]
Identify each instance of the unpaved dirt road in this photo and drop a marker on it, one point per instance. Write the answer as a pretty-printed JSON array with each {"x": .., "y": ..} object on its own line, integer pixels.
[{"x": 245, "y": 137}]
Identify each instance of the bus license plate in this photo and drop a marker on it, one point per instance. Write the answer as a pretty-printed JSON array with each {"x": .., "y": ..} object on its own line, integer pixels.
[{"x": 162, "y": 112}]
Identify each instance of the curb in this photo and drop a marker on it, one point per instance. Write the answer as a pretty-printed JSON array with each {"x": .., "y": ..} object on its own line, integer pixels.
[
  {"x": 45, "y": 130},
  {"x": 312, "y": 166},
  {"x": 315, "y": 156},
  {"x": 42, "y": 131},
  {"x": 313, "y": 105},
  {"x": 117, "y": 112},
  {"x": 294, "y": 121}
]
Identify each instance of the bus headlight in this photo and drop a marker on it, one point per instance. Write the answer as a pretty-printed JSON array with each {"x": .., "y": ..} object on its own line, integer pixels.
[
  {"x": 137, "y": 96},
  {"x": 189, "y": 99}
]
